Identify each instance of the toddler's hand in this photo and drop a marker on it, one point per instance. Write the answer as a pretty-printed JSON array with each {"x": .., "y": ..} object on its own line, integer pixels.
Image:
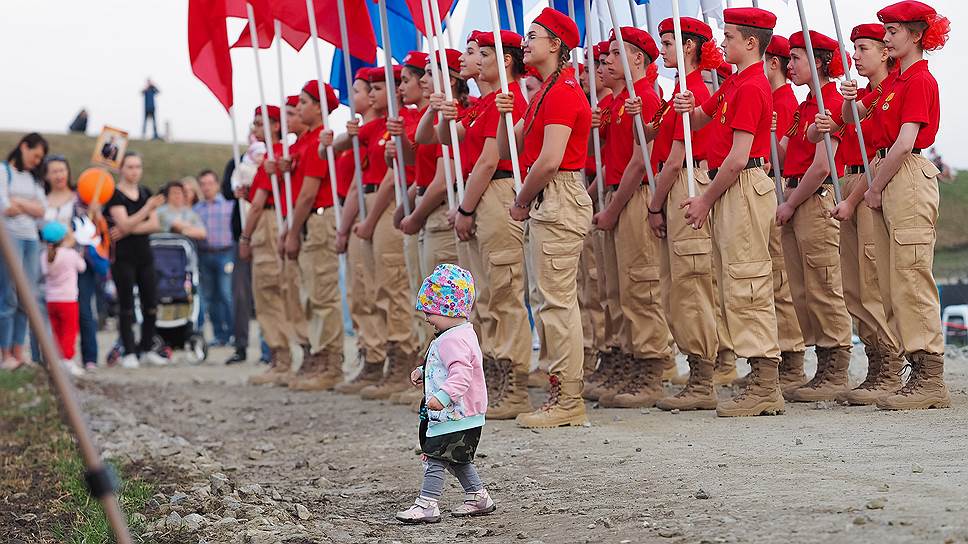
[
  {"x": 434, "y": 404},
  {"x": 416, "y": 377}
]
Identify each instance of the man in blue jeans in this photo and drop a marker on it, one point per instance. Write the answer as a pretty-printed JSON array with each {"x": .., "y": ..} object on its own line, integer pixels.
[{"x": 215, "y": 256}]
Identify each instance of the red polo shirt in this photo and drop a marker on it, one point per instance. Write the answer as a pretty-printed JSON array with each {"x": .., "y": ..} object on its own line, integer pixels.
[
  {"x": 743, "y": 102},
  {"x": 425, "y": 155},
  {"x": 913, "y": 98},
  {"x": 849, "y": 150},
  {"x": 604, "y": 105},
  {"x": 784, "y": 104},
  {"x": 671, "y": 128},
  {"x": 620, "y": 132},
  {"x": 563, "y": 103},
  {"x": 308, "y": 163},
  {"x": 874, "y": 103},
  {"x": 345, "y": 169},
  {"x": 800, "y": 151},
  {"x": 484, "y": 125},
  {"x": 263, "y": 181},
  {"x": 373, "y": 139}
]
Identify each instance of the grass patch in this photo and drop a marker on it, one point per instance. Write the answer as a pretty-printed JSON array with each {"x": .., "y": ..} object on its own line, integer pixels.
[
  {"x": 44, "y": 497},
  {"x": 164, "y": 161}
]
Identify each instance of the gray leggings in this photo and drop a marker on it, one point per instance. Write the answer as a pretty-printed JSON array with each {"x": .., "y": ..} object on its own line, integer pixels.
[{"x": 433, "y": 481}]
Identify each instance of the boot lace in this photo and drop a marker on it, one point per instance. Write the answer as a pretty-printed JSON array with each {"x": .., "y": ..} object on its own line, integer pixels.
[
  {"x": 914, "y": 379},
  {"x": 553, "y": 394},
  {"x": 752, "y": 379},
  {"x": 823, "y": 367}
]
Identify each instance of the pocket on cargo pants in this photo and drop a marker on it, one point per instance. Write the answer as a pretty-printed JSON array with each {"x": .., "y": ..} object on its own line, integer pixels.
[{"x": 750, "y": 284}]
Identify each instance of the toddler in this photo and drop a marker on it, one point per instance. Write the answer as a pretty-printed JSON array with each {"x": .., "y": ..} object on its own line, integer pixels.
[
  {"x": 455, "y": 397},
  {"x": 61, "y": 267}
]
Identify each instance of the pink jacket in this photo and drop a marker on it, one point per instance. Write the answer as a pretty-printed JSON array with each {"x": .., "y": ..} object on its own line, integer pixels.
[
  {"x": 62, "y": 274},
  {"x": 454, "y": 374}
]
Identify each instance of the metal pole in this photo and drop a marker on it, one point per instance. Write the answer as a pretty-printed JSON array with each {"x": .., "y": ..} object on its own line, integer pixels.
[
  {"x": 635, "y": 16},
  {"x": 437, "y": 89},
  {"x": 686, "y": 123},
  {"x": 509, "y": 5},
  {"x": 831, "y": 160},
  {"x": 853, "y": 103},
  {"x": 348, "y": 74},
  {"x": 243, "y": 205},
  {"x": 508, "y": 118},
  {"x": 449, "y": 95},
  {"x": 266, "y": 131},
  {"x": 286, "y": 176},
  {"x": 399, "y": 170},
  {"x": 574, "y": 55},
  {"x": 601, "y": 20},
  {"x": 713, "y": 72},
  {"x": 639, "y": 127},
  {"x": 96, "y": 471},
  {"x": 593, "y": 95},
  {"x": 324, "y": 113},
  {"x": 651, "y": 30}
]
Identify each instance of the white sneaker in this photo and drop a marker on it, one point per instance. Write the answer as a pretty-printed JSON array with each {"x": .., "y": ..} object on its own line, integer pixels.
[
  {"x": 424, "y": 510},
  {"x": 478, "y": 503},
  {"x": 130, "y": 361},
  {"x": 74, "y": 368},
  {"x": 154, "y": 358}
]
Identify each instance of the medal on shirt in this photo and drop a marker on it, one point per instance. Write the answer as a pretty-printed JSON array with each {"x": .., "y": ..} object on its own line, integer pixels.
[
  {"x": 887, "y": 102},
  {"x": 722, "y": 118}
]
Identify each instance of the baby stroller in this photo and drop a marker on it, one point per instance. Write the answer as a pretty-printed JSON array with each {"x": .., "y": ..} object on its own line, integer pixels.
[{"x": 179, "y": 304}]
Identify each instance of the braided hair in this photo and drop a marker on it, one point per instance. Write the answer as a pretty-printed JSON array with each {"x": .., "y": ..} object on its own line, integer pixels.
[{"x": 564, "y": 57}]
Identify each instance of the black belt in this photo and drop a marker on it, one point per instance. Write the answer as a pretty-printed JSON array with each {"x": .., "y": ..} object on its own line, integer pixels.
[
  {"x": 505, "y": 174},
  {"x": 370, "y": 188},
  {"x": 421, "y": 191},
  {"x": 882, "y": 153},
  {"x": 795, "y": 181},
  {"x": 570, "y": 169},
  {"x": 269, "y": 207},
  {"x": 752, "y": 163},
  {"x": 856, "y": 169},
  {"x": 695, "y": 163}
]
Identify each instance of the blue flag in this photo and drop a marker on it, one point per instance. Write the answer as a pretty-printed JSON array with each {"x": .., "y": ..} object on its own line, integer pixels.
[
  {"x": 641, "y": 2},
  {"x": 563, "y": 6},
  {"x": 337, "y": 75},
  {"x": 518, "y": 7}
]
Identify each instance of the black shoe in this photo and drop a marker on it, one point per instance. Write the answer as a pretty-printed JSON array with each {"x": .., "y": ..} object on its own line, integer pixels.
[{"x": 237, "y": 357}]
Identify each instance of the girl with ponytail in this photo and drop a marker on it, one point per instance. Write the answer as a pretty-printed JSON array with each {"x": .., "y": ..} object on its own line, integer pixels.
[{"x": 552, "y": 139}]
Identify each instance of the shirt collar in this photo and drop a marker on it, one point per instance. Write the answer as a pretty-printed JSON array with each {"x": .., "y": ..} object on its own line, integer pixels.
[
  {"x": 919, "y": 66},
  {"x": 751, "y": 71}
]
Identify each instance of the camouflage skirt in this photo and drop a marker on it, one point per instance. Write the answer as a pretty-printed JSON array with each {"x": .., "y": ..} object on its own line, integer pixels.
[{"x": 457, "y": 447}]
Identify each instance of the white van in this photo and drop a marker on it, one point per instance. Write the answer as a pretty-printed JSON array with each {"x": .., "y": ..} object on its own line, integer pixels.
[{"x": 954, "y": 325}]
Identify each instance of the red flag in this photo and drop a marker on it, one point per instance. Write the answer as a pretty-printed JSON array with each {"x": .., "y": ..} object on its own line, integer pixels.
[
  {"x": 416, "y": 11},
  {"x": 265, "y": 15},
  {"x": 359, "y": 27},
  {"x": 208, "y": 47}
]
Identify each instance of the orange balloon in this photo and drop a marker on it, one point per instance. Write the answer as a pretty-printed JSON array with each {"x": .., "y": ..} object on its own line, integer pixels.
[{"x": 95, "y": 181}]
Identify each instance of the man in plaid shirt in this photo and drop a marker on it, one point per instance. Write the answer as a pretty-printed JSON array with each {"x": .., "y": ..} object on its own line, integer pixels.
[{"x": 215, "y": 256}]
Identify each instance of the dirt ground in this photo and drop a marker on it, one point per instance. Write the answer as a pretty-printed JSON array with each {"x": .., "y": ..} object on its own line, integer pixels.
[{"x": 274, "y": 466}]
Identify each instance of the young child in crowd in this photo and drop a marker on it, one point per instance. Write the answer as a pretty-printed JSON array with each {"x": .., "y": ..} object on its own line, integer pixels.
[
  {"x": 455, "y": 397},
  {"x": 61, "y": 267}
]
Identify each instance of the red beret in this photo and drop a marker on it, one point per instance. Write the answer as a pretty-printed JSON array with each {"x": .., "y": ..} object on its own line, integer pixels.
[
  {"x": 871, "y": 31},
  {"x": 779, "y": 47},
  {"x": 292, "y": 100},
  {"x": 639, "y": 38},
  {"x": 817, "y": 40},
  {"x": 453, "y": 59},
  {"x": 689, "y": 26},
  {"x": 312, "y": 89},
  {"x": 508, "y": 39},
  {"x": 560, "y": 25},
  {"x": 531, "y": 71},
  {"x": 379, "y": 75},
  {"x": 362, "y": 73},
  {"x": 754, "y": 17},
  {"x": 417, "y": 60},
  {"x": 601, "y": 48},
  {"x": 475, "y": 36},
  {"x": 273, "y": 112},
  {"x": 908, "y": 11}
]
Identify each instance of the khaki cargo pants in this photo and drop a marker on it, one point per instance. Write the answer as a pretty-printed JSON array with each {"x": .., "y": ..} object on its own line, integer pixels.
[
  {"x": 394, "y": 302},
  {"x": 787, "y": 325},
  {"x": 688, "y": 291},
  {"x": 742, "y": 220},
  {"x": 500, "y": 241},
  {"x": 615, "y": 335},
  {"x": 469, "y": 258},
  {"x": 811, "y": 251},
  {"x": 638, "y": 257},
  {"x": 590, "y": 298},
  {"x": 858, "y": 264},
  {"x": 275, "y": 289},
  {"x": 320, "y": 295},
  {"x": 560, "y": 218},
  {"x": 362, "y": 298},
  {"x": 904, "y": 240},
  {"x": 438, "y": 243}
]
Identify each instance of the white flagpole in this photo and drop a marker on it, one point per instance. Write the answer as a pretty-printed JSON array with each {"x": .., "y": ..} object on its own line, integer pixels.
[
  {"x": 713, "y": 72},
  {"x": 593, "y": 95},
  {"x": 243, "y": 205},
  {"x": 603, "y": 31},
  {"x": 399, "y": 171},
  {"x": 817, "y": 91},
  {"x": 448, "y": 94},
  {"x": 435, "y": 69},
  {"x": 574, "y": 55},
  {"x": 635, "y": 16},
  {"x": 348, "y": 74},
  {"x": 508, "y": 117},
  {"x": 853, "y": 103},
  {"x": 286, "y": 176},
  {"x": 512, "y": 22},
  {"x": 324, "y": 111},
  {"x": 775, "y": 155},
  {"x": 686, "y": 124},
  {"x": 266, "y": 130},
  {"x": 639, "y": 126},
  {"x": 648, "y": 23}
]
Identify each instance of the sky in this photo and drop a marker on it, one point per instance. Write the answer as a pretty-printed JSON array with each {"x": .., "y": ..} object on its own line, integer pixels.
[{"x": 62, "y": 55}]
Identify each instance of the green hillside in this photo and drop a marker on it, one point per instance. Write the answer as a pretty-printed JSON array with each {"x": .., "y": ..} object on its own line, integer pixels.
[{"x": 163, "y": 161}]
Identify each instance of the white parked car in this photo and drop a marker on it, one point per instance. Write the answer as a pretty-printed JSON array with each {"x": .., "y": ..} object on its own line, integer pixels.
[{"x": 954, "y": 325}]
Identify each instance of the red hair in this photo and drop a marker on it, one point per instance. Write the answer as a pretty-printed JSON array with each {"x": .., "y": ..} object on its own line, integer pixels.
[
  {"x": 936, "y": 35},
  {"x": 711, "y": 56},
  {"x": 836, "y": 66}
]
